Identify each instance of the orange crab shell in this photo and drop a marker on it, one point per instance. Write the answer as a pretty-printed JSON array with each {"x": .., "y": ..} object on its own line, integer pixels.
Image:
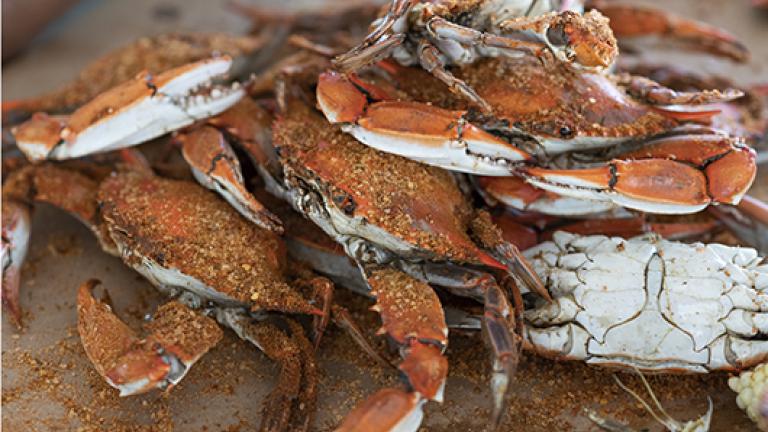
[
  {"x": 418, "y": 204},
  {"x": 174, "y": 222}
]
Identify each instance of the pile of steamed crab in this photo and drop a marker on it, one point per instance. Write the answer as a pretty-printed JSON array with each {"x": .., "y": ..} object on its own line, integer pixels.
[{"x": 479, "y": 165}]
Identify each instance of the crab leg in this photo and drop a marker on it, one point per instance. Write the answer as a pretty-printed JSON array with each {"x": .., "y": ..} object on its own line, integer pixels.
[
  {"x": 71, "y": 191},
  {"x": 412, "y": 316},
  {"x": 178, "y": 337},
  {"x": 654, "y": 93},
  {"x": 748, "y": 220},
  {"x": 442, "y": 29},
  {"x": 417, "y": 131},
  {"x": 492, "y": 238},
  {"x": 498, "y": 321},
  {"x": 429, "y": 57},
  {"x": 215, "y": 166},
  {"x": 718, "y": 170},
  {"x": 286, "y": 351},
  {"x": 633, "y": 21},
  {"x": 376, "y": 44},
  {"x": 131, "y": 113},
  {"x": 15, "y": 242},
  {"x": 515, "y": 193},
  {"x": 116, "y": 67}
]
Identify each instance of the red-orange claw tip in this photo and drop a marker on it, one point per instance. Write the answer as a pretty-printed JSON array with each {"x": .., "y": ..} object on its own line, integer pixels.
[
  {"x": 372, "y": 91},
  {"x": 339, "y": 99},
  {"x": 661, "y": 181},
  {"x": 731, "y": 176},
  {"x": 490, "y": 261},
  {"x": 315, "y": 311},
  {"x": 386, "y": 410},
  {"x": 426, "y": 369},
  {"x": 142, "y": 367},
  {"x": 510, "y": 188}
]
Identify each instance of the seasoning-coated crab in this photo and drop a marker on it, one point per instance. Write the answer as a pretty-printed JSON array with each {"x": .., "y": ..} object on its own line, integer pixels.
[
  {"x": 191, "y": 246},
  {"x": 439, "y": 33},
  {"x": 650, "y": 161},
  {"x": 372, "y": 204},
  {"x": 399, "y": 241},
  {"x": 157, "y": 54}
]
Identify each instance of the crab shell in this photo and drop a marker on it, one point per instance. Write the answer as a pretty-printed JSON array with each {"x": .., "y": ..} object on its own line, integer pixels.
[
  {"x": 178, "y": 235},
  {"x": 131, "y": 113},
  {"x": 543, "y": 109},
  {"x": 378, "y": 196},
  {"x": 651, "y": 304}
]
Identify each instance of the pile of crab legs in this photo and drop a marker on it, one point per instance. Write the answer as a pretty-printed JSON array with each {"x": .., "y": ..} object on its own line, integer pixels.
[{"x": 456, "y": 134}]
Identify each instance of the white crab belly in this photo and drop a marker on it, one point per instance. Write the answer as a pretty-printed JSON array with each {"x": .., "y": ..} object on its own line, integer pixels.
[{"x": 650, "y": 303}]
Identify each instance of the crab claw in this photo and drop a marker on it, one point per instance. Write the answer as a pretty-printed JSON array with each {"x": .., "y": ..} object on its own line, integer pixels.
[
  {"x": 421, "y": 335},
  {"x": 386, "y": 410},
  {"x": 515, "y": 193},
  {"x": 706, "y": 169},
  {"x": 131, "y": 113},
  {"x": 215, "y": 166},
  {"x": 413, "y": 318},
  {"x": 178, "y": 337},
  {"x": 633, "y": 21},
  {"x": 654, "y": 93},
  {"x": 15, "y": 241},
  {"x": 421, "y": 132}
]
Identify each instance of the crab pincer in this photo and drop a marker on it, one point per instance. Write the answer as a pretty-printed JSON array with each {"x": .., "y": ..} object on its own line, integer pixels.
[
  {"x": 413, "y": 318},
  {"x": 215, "y": 165},
  {"x": 177, "y": 337},
  {"x": 157, "y": 54},
  {"x": 132, "y": 112}
]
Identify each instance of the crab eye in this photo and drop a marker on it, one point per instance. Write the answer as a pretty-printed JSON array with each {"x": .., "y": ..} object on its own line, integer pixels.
[{"x": 556, "y": 36}]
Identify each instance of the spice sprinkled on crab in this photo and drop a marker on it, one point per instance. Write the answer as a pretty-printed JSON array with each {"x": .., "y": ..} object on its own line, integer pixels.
[
  {"x": 193, "y": 247},
  {"x": 651, "y": 159},
  {"x": 372, "y": 203}
]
